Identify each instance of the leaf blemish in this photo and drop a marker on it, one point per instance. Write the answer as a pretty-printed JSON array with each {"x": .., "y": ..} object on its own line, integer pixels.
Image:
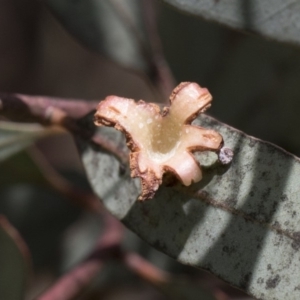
[{"x": 272, "y": 282}]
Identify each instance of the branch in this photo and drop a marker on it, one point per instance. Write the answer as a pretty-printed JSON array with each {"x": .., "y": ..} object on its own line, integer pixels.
[
  {"x": 159, "y": 72},
  {"x": 163, "y": 77},
  {"x": 176, "y": 287},
  {"x": 82, "y": 198},
  {"x": 73, "y": 283},
  {"x": 25, "y": 108},
  {"x": 56, "y": 111},
  {"x": 145, "y": 269}
]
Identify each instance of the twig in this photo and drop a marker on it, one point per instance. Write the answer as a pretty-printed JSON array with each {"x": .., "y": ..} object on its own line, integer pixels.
[
  {"x": 25, "y": 108},
  {"x": 164, "y": 78},
  {"x": 133, "y": 29},
  {"x": 84, "y": 199},
  {"x": 54, "y": 111},
  {"x": 18, "y": 241},
  {"x": 163, "y": 281},
  {"x": 159, "y": 72},
  {"x": 145, "y": 269},
  {"x": 73, "y": 283}
]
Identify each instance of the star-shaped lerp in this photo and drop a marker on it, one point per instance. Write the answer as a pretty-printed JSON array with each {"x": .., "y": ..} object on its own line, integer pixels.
[{"x": 162, "y": 141}]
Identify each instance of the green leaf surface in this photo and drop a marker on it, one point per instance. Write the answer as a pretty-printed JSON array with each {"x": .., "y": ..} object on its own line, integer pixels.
[
  {"x": 15, "y": 137},
  {"x": 14, "y": 263},
  {"x": 240, "y": 222},
  {"x": 275, "y": 19},
  {"x": 114, "y": 28}
]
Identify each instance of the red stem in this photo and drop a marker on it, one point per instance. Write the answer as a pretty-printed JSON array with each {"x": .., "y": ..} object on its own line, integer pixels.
[
  {"x": 73, "y": 283},
  {"x": 55, "y": 111},
  {"x": 145, "y": 269},
  {"x": 25, "y": 108}
]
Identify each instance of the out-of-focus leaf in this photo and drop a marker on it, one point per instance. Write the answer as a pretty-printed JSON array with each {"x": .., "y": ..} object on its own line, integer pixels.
[
  {"x": 274, "y": 19},
  {"x": 15, "y": 137},
  {"x": 240, "y": 222},
  {"x": 114, "y": 28},
  {"x": 14, "y": 262},
  {"x": 20, "y": 168},
  {"x": 32, "y": 210}
]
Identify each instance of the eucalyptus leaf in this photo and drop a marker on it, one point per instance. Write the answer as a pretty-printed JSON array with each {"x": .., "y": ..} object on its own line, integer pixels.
[
  {"x": 114, "y": 28},
  {"x": 241, "y": 222},
  {"x": 276, "y": 19},
  {"x": 15, "y": 137},
  {"x": 14, "y": 263}
]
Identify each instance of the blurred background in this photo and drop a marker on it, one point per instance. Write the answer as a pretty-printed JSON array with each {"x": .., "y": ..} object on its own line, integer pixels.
[{"x": 254, "y": 82}]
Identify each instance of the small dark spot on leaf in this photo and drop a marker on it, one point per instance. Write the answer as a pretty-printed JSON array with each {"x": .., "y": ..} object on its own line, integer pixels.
[
  {"x": 266, "y": 193},
  {"x": 231, "y": 202},
  {"x": 122, "y": 170},
  {"x": 296, "y": 235},
  {"x": 204, "y": 194},
  {"x": 251, "y": 143},
  {"x": 236, "y": 266},
  {"x": 245, "y": 281},
  {"x": 229, "y": 250},
  {"x": 272, "y": 282},
  {"x": 297, "y": 288},
  {"x": 284, "y": 197},
  {"x": 296, "y": 245},
  {"x": 252, "y": 215},
  {"x": 260, "y": 280},
  {"x": 269, "y": 267},
  {"x": 160, "y": 245},
  {"x": 225, "y": 249},
  {"x": 107, "y": 172},
  {"x": 279, "y": 241}
]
